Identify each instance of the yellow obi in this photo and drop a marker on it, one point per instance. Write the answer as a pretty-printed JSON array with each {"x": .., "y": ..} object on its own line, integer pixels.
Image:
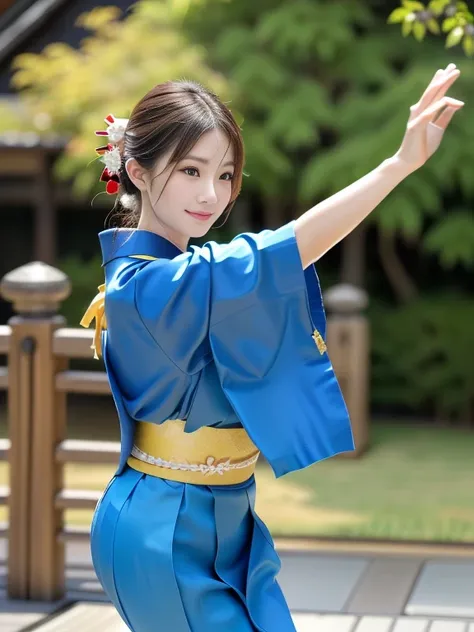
[{"x": 208, "y": 456}]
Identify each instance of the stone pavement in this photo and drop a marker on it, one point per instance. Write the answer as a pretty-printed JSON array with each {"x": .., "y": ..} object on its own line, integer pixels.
[
  {"x": 326, "y": 591},
  {"x": 95, "y": 617}
]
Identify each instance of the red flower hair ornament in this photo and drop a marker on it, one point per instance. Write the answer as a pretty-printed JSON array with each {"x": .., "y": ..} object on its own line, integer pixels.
[{"x": 111, "y": 154}]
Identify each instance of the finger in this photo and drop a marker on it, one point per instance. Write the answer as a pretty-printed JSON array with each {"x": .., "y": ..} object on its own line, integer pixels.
[
  {"x": 444, "y": 118},
  {"x": 448, "y": 81},
  {"x": 429, "y": 114},
  {"x": 436, "y": 91},
  {"x": 438, "y": 81},
  {"x": 439, "y": 73}
]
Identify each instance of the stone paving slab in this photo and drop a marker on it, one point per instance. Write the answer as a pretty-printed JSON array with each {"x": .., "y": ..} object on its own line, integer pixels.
[
  {"x": 17, "y": 615},
  {"x": 104, "y": 618},
  {"x": 319, "y": 583},
  {"x": 385, "y": 586},
  {"x": 444, "y": 589},
  {"x": 86, "y": 617},
  {"x": 350, "y": 593},
  {"x": 448, "y": 626},
  {"x": 411, "y": 625},
  {"x": 379, "y": 585}
]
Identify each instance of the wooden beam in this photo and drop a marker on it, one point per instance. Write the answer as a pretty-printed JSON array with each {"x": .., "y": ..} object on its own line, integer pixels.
[
  {"x": 5, "y": 333},
  {"x": 73, "y": 342},
  {"x": 88, "y": 382},
  {"x": 18, "y": 161},
  {"x": 77, "y": 451},
  {"x": 77, "y": 499},
  {"x": 4, "y": 495},
  {"x": 4, "y": 449},
  {"x": 3, "y": 380},
  {"x": 45, "y": 213}
]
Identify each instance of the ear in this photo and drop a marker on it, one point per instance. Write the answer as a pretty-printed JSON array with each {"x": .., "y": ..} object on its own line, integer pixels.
[{"x": 136, "y": 173}]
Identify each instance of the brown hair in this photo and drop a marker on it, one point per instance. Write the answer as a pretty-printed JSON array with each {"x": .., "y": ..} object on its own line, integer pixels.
[{"x": 172, "y": 117}]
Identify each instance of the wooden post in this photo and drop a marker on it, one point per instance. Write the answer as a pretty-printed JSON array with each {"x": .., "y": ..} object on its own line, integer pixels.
[
  {"x": 37, "y": 419},
  {"x": 20, "y": 366},
  {"x": 45, "y": 212},
  {"x": 348, "y": 347}
]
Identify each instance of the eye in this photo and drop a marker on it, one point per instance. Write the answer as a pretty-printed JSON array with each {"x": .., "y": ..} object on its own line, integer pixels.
[
  {"x": 194, "y": 171},
  {"x": 231, "y": 176}
]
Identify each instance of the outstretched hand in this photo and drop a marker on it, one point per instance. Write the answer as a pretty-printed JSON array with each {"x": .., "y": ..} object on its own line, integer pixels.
[{"x": 429, "y": 118}]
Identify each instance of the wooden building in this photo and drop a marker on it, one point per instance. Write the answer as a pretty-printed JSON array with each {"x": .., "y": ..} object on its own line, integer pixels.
[{"x": 37, "y": 214}]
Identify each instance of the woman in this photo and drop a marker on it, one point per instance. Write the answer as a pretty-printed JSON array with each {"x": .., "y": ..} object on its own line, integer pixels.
[{"x": 214, "y": 354}]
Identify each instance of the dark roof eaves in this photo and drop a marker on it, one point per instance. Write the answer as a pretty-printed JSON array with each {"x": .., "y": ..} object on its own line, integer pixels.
[
  {"x": 32, "y": 17},
  {"x": 13, "y": 12}
]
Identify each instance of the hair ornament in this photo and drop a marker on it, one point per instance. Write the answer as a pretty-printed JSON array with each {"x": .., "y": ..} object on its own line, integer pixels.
[{"x": 111, "y": 154}]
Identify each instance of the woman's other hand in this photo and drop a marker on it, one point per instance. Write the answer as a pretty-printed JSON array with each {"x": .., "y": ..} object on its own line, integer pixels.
[{"x": 428, "y": 120}]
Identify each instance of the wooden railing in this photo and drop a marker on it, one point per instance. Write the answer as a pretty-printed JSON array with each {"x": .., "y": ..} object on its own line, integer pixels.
[
  {"x": 4, "y": 443},
  {"x": 38, "y": 379}
]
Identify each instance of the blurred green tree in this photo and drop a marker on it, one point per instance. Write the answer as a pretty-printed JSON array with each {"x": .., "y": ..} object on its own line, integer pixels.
[
  {"x": 324, "y": 90},
  {"x": 69, "y": 91}
]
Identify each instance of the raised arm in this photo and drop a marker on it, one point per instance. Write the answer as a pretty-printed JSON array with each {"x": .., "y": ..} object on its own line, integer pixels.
[{"x": 324, "y": 225}]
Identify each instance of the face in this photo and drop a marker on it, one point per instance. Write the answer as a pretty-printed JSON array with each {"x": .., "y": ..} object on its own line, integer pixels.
[{"x": 187, "y": 198}]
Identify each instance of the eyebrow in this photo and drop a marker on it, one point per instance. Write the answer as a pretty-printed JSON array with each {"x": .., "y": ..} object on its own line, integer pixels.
[{"x": 204, "y": 161}]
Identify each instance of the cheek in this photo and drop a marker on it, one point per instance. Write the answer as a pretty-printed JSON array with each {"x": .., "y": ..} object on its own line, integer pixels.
[
  {"x": 175, "y": 193},
  {"x": 225, "y": 193}
]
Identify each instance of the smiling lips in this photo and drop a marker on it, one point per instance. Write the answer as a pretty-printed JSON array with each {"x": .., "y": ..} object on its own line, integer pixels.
[{"x": 200, "y": 216}]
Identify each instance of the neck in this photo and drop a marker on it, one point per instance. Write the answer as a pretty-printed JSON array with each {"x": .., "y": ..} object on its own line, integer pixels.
[{"x": 149, "y": 221}]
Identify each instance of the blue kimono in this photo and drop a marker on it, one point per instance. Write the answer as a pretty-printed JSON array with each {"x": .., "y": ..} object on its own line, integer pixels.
[{"x": 222, "y": 336}]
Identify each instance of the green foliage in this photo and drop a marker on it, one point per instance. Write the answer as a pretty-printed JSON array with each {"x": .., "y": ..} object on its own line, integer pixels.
[
  {"x": 455, "y": 19},
  {"x": 420, "y": 355},
  {"x": 316, "y": 83},
  {"x": 452, "y": 239},
  {"x": 307, "y": 77},
  {"x": 284, "y": 81},
  {"x": 419, "y": 196},
  {"x": 73, "y": 90}
]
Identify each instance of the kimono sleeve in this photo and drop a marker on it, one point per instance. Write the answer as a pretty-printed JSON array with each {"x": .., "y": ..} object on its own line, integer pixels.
[{"x": 249, "y": 306}]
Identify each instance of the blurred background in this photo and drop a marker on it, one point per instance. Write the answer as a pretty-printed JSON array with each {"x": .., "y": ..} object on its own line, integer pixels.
[{"x": 322, "y": 91}]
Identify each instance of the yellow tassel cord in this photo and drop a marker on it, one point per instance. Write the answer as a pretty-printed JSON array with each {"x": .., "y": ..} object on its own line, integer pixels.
[{"x": 96, "y": 310}]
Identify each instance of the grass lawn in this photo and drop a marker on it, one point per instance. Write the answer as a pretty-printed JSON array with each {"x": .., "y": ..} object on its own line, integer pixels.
[{"x": 413, "y": 483}]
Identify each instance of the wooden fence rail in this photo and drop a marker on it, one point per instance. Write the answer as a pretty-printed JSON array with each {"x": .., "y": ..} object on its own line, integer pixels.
[{"x": 38, "y": 379}]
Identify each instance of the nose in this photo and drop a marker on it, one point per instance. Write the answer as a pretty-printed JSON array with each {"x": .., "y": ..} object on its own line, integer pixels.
[{"x": 207, "y": 193}]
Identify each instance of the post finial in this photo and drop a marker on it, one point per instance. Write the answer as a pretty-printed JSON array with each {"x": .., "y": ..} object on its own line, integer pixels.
[
  {"x": 345, "y": 298},
  {"x": 35, "y": 289}
]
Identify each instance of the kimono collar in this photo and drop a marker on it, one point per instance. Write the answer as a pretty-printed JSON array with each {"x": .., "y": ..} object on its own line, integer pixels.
[
  {"x": 139, "y": 244},
  {"x": 125, "y": 242}
]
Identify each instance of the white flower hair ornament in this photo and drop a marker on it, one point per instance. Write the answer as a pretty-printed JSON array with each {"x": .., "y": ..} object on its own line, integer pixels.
[{"x": 111, "y": 154}]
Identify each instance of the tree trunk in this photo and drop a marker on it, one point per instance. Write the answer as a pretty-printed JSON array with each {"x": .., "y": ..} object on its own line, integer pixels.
[
  {"x": 402, "y": 284},
  {"x": 353, "y": 264},
  {"x": 240, "y": 219}
]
